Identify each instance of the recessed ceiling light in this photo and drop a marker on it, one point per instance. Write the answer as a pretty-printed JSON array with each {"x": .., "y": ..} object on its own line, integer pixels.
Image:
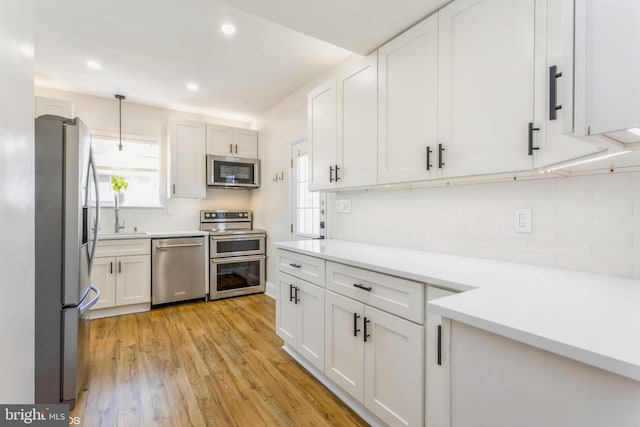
[
  {"x": 228, "y": 29},
  {"x": 192, "y": 87},
  {"x": 94, "y": 65}
]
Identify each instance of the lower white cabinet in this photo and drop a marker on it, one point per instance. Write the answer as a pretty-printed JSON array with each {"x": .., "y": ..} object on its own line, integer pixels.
[
  {"x": 376, "y": 357},
  {"x": 299, "y": 317}
]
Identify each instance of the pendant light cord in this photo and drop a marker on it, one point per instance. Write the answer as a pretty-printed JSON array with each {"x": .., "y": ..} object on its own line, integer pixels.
[{"x": 120, "y": 98}]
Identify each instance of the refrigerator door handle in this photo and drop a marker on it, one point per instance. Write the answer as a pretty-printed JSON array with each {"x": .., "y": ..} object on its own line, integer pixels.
[
  {"x": 92, "y": 165},
  {"x": 84, "y": 307}
]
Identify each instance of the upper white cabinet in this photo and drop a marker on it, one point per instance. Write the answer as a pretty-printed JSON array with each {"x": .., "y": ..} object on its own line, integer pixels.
[
  {"x": 491, "y": 63},
  {"x": 342, "y": 120},
  {"x": 186, "y": 163},
  {"x": 408, "y": 105},
  {"x": 57, "y": 107},
  {"x": 230, "y": 141}
]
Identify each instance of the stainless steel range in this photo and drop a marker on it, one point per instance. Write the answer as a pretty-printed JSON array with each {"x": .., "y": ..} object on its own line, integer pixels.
[{"x": 236, "y": 252}]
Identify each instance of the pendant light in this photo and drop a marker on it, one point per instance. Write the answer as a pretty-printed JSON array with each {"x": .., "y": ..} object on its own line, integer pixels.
[{"x": 120, "y": 98}]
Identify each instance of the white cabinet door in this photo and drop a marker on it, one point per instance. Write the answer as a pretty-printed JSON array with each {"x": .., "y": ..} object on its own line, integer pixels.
[
  {"x": 219, "y": 140},
  {"x": 286, "y": 312},
  {"x": 408, "y": 104},
  {"x": 187, "y": 159},
  {"x": 246, "y": 143},
  {"x": 487, "y": 52},
  {"x": 104, "y": 277},
  {"x": 322, "y": 131},
  {"x": 555, "y": 147},
  {"x": 310, "y": 324},
  {"x": 394, "y": 368},
  {"x": 133, "y": 284},
  {"x": 437, "y": 346},
  {"x": 357, "y": 124},
  {"x": 344, "y": 343}
]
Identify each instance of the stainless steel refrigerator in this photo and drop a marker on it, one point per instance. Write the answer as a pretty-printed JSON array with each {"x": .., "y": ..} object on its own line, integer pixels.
[{"x": 66, "y": 186}]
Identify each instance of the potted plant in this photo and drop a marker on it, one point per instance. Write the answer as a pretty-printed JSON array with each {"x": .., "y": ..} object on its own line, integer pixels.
[{"x": 119, "y": 186}]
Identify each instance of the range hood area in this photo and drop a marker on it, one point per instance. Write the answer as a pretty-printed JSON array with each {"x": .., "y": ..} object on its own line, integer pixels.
[{"x": 603, "y": 85}]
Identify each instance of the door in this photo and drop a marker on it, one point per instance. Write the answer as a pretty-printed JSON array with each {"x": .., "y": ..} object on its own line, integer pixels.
[
  {"x": 246, "y": 143},
  {"x": 357, "y": 124},
  {"x": 219, "y": 140},
  {"x": 309, "y": 219},
  {"x": 103, "y": 275},
  {"x": 322, "y": 131},
  {"x": 187, "y": 159},
  {"x": 394, "y": 391},
  {"x": 132, "y": 280},
  {"x": 344, "y": 343},
  {"x": 487, "y": 81},
  {"x": 286, "y": 311},
  {"x": 310, "y": 323},
  {"x": 408, "y": 109}
]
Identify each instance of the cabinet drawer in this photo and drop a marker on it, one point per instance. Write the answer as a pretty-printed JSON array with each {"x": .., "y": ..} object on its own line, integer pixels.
[
  {"x": 123, "y": 247},
  {"x": 302, "y": 266},
  {"x": 401, "y": 297}
]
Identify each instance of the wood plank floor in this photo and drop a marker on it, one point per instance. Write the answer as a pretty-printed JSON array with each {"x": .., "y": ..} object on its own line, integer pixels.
[{"x": 202, "y": 364}]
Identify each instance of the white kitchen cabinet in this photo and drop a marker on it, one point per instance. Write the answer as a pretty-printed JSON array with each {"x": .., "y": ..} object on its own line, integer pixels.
[
  {"x": 377, "y": 358},
  {"x": 186, "y": 163},
  {"x": 57, "y": 107},
  {"x": 491, "y": 68},
  {"x": 437, "y": 350},
  {"x": 499, "y": 382},
  {"x": 230, "y": 141},
  {"x": 122, "y": 272},
  {"x": 342, "y": 120},
  {"x": 408, "y": 105},
  {"x": 300, "y": 317}
]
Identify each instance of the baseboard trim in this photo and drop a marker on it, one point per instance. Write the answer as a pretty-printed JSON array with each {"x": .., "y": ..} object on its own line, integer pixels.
[
  {"x": 119, "y": 311},
  {"x": 271, "y": 290}
]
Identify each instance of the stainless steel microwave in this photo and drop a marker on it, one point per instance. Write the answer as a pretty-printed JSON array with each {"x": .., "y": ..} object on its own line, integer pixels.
[{"x": 233, "y": 172}]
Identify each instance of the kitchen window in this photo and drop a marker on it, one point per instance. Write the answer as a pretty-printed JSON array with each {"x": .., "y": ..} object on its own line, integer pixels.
[
  {"x": 307, "y": 205},
  {"x": 138, "y": 163}
]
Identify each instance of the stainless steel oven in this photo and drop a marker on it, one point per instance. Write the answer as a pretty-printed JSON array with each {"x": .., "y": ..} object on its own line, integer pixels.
[{"x": 236, "y": 253}]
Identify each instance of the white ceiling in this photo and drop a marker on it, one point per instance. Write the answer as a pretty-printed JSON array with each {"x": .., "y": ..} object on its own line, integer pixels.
[{"x": 149, "y": 51}]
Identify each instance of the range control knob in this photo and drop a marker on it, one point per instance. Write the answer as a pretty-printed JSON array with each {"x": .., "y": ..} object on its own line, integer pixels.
[{"x": 213, "y": 215}]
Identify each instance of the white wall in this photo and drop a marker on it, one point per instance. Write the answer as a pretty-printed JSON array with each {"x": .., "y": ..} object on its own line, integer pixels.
[
  {"x": 589, "y": 223},
  {"x": 101, "y": 114},
  {"x": 17, "y": 315}
]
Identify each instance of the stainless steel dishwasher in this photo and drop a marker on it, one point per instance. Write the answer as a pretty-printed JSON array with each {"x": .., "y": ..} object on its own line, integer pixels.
[{"x": 177, "y": 269}]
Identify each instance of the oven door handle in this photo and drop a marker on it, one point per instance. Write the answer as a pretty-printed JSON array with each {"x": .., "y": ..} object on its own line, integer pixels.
[
  {"x": 227, "y": 260},
  {"x": 233, "y": 239}
]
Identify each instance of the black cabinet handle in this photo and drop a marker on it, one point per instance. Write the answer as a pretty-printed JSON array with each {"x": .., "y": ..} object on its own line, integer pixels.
[
  {"x": 236, "y": 148},
  {"x": 553, "y": 92},
  {"x": 440, "y": 150},
  {"x": 359, "y": 286},
  {"x": 428, "y": 158},
  {"x": 366, "y": 335},
  {"x": 337, "y": 169},
  {"x": 111, "y": 268},
  {"x": 440, "y": 345},
  {"x": 295, "y": 265},
  {"x": 355, "y": 324},
  {"x": 331, "y": 174},
  {"x": 290, "y": 292},
  {"x": 297, "y": 297},
  {"x": 119, "y": 266},
  {"x": 231, "y": 148},
  {"x": 531, "y": 147}
]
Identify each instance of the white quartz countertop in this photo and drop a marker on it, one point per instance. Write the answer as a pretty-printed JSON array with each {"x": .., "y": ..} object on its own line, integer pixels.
[
  {"x": 592, "y": 318},
  {"x": 152, "y": 234}
]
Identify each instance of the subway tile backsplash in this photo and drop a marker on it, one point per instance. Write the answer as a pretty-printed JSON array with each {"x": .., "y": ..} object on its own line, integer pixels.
[{"x": 587, "y": 223}]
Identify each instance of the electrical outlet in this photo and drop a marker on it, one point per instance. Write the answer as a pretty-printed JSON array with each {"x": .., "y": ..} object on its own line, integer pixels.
[
  {"x": 171, "y": 210},
  {"x": 343, "y": 206},
  {"x": 523, "y": 220}
]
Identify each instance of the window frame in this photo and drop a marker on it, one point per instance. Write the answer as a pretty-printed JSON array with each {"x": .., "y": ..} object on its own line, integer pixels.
[{"x": 297, "y": 149}]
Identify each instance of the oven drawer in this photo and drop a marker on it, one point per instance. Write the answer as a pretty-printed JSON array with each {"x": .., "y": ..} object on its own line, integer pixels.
[
  {"x": 233, "y": 276},
  {"x": 302, "y": 266},
  {"x": 238, "y": 245},
  {"x": 401, "y": 297}
]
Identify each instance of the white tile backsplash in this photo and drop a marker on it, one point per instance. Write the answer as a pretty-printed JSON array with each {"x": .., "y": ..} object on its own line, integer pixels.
[{"x": 587, "y": 223}]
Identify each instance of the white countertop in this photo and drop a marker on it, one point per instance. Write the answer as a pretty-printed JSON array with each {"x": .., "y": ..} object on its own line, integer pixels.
[
  {"x": 151, "y": 234},
  {"x": 587, "y": 317}
]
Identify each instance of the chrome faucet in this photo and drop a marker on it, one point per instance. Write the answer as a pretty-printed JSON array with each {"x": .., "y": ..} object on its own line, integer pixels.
[{"x": 117, "y": 227}]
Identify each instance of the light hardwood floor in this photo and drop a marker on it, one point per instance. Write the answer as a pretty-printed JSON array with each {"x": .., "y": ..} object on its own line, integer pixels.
[{"x": 202, "y": 364}]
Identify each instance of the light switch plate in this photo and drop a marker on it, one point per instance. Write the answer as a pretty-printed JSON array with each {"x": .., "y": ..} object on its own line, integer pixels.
[
  {"x": 523, "y": 220},
  {"x": 343, "y": 206}
]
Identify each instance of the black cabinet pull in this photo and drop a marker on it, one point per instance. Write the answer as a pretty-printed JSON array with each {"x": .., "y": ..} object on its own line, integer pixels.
[
  {"x": 531, "y": 147},
  {"x": 297, "y": 297},
  {"x": 111, "y": 268},
  {"x": 440, "y": 345},
  {"x": 295, "y": 265},
  {"x": 290, "y": 292},
  {"x": 119, "y": 266},
  {"x": 236, "y": 148},
  {"x": 366, "y": 335},
  {"x": 355, "y": 324},
  {"x": 337, "y": 169},
  {"x": 428, "y": 158},
  {"x": 331, "y": 174},
  {"x": 359, "y": 286},
  {"x": 440, "y": 150},
  {"x": 553, "y": 92}
]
